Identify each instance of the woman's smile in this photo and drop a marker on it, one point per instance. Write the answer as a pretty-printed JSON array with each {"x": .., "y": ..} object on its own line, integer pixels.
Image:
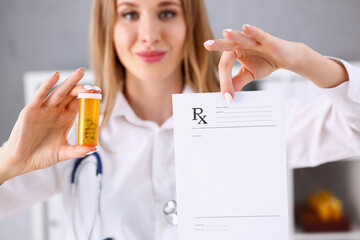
[{"x": 151, "y": 56}]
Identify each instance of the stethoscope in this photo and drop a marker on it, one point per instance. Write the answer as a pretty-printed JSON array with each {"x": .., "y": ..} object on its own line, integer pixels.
[
  {"x": 170, "y": 207},
  {"x": 170, "y": 211},
  {"x": 74, "y": 178}
]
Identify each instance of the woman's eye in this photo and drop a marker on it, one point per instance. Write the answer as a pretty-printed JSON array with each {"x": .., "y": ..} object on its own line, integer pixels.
[
  {"x": 167, "y": 14},
  {"x": 130, "y": 15}
]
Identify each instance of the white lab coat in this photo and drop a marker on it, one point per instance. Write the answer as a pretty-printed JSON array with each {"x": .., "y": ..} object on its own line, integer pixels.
[{"x": 139, "y": 172}]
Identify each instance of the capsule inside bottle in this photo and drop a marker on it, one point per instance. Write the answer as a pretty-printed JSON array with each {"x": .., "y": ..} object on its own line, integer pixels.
[{"x": 89, "y": 109}]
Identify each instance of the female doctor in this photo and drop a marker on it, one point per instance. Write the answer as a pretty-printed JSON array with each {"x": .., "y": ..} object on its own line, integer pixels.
[{"x": 143, "y": 52}]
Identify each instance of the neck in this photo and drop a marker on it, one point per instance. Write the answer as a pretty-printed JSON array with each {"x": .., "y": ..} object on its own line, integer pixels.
[{"x": 152, "y": 100}]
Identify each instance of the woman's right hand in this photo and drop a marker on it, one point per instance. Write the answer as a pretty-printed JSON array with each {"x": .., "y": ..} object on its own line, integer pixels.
[{"x": 39, "y": 137}]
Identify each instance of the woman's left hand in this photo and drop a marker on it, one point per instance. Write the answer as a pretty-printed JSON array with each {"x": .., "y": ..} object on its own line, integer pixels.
[{"x": 259, "y": 53}]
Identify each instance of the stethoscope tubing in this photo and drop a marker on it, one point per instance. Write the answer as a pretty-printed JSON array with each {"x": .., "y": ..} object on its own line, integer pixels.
[
  {"x": 170, "y": 208},
  {"x": 78, "y": 162},
  {"x": 77, "y": 166}
]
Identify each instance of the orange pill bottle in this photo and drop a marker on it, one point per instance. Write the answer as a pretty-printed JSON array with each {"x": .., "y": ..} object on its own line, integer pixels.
[{"x": 89, "y": 109}]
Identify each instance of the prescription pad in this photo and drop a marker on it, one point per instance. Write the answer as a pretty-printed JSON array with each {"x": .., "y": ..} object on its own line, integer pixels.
[{"x": 231, "y": 173}]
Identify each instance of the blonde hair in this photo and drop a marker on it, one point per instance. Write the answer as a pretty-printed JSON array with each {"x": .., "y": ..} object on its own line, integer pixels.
[{"x": 199, "y": 65}]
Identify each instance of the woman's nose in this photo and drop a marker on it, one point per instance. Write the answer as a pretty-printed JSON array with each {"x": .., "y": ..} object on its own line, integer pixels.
[{"x": 149, "y": 30}]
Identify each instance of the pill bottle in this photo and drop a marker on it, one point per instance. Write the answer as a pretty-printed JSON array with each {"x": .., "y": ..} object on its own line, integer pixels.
[{"x": 89, "y": 109}]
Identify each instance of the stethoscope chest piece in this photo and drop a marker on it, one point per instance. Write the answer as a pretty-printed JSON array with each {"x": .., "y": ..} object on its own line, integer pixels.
[{"x": 170, "y": 211}]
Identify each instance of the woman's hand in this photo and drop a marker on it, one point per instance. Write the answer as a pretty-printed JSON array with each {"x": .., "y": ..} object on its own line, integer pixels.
[
  {"x": 260, "y": 54},
  {"x": 39, "y": 137}
]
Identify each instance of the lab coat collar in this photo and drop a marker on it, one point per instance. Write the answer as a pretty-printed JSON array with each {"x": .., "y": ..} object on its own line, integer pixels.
[{"x": 123, "y": 109}]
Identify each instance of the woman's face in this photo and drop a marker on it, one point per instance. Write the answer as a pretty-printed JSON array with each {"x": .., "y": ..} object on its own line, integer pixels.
[{"x": 149, "y": 37}]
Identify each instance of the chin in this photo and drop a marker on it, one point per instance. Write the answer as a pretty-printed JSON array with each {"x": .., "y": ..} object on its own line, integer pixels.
[{"x": 152, "y": 74}]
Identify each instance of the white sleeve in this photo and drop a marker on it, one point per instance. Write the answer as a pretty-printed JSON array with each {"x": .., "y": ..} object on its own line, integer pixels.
[
  {"x": 327, "y": 129},
  {"x": 22, "y": 191}
]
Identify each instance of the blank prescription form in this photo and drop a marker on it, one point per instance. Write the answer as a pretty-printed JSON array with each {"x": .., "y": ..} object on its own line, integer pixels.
[{"x": 231, "y": 173}]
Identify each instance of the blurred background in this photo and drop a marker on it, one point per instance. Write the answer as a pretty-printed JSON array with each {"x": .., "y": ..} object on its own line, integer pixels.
[{"x": 43, "y": 35}]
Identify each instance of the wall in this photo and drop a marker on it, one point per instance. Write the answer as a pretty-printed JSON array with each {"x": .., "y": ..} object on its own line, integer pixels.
[
  {"x": 329, "y": 26},
  {"x": 52, "y": 35},
  {"x": 37, "y": 35}
]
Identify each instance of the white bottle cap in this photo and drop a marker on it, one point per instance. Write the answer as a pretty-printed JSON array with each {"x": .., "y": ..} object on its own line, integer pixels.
[{"x": 90, "y": 95}]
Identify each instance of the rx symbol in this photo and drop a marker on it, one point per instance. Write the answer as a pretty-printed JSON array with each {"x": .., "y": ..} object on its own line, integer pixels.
[{"x": 197, "y": 115}]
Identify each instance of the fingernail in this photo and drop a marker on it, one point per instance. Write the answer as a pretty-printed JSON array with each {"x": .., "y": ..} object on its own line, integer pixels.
[
  {"x": 97, "y": 88},
  {"x": 229, "y": 99},
  {"x": 209, "y": 42},
  {"x": 88, "y": 87},
  {"x": 247, "y": 25},
  {"x": 228, "y": 30},
  {"x": 89, "y": 153}
]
